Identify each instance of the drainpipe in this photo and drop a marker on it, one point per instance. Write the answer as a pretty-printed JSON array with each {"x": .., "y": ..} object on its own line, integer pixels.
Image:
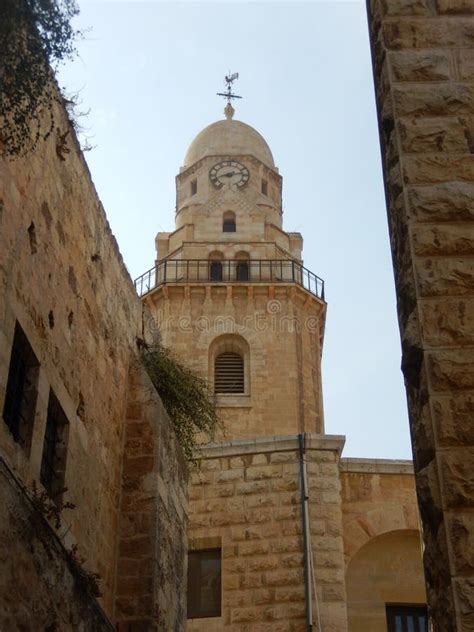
[{"x": 306, "y": 535}]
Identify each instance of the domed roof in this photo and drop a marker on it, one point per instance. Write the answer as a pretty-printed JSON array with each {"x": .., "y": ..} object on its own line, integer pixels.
[{"x": 228, "y": 138}]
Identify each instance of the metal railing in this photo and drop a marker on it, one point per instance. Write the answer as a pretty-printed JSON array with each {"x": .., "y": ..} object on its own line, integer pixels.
[{"x": 229, "y": 271}]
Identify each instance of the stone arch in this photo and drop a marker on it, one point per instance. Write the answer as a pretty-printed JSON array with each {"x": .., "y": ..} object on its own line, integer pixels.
[
  {"x": 376, "y": 522},
  {"x": 387, "y": 569}
]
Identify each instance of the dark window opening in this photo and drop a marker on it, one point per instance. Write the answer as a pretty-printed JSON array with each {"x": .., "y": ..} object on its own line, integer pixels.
[
  {"x": 229, "y": 225},
  {"x": 242, "y": 271},
  {"x": 204, "y": 583},
  {"x": 53, "y": 461},
  {"x": 229, "y": 373},
  {"x": 215, "y": 271},
  {"x": 405, "y": 618},
  {"x": 264, "y": 187},
  {"x": 22, "y": 390},
  {"x": 194, "y": 187}
]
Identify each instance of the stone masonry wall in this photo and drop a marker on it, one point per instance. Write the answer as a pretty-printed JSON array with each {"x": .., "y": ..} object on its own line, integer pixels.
[
  {"x": 246, "y": 496},
  {"x": 40, "y": 588},
  {"x": 63, "y": 279},
  {"x": 151, "y": 584},
  {"x": 423, "y": 57}
]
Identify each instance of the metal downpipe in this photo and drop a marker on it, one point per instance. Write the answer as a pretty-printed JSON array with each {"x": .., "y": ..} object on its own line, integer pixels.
[{"x": 306, "y": 536}]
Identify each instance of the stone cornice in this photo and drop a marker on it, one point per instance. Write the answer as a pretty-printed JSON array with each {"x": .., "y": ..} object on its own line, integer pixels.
[
  {"x": 377, "y": 466},
  {"x": 281, "y": 443}
]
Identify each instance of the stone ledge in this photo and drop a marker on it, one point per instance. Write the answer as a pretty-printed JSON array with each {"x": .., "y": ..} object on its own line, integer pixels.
[
  {"x": 271, "y": 444},
  {"x": 377, "y": 466}
]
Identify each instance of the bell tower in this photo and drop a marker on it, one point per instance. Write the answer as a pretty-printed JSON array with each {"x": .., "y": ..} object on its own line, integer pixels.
[{"x": 229, "y": 289}]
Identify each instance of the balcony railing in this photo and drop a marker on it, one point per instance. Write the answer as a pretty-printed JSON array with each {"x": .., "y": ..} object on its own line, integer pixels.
[{"x": 227, "y": 271}]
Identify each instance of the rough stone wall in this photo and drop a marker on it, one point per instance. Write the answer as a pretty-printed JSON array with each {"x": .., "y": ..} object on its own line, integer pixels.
[
  {"x": 382, "y": 540},
  {"x": 246, "y": 495},
  {"x": 423, "y": 59},
  {"x": 151, "y": 585},
  {"x": 62, "y": 278},
  {"x": 277, "y": 402},
  {"x": 40, "y": 589}
]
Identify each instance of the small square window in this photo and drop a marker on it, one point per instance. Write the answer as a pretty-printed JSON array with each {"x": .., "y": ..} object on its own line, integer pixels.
[
  {"x": 194, "y": 187},
  {"x": 53, "y": 462},
  {"x": 264, "y": 187},
  {"x": 22, "y": 390},
  {"x": 204, "y": 583}
]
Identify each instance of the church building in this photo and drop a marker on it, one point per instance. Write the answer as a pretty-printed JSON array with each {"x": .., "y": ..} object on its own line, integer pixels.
[{"x": 285, "y": 534}]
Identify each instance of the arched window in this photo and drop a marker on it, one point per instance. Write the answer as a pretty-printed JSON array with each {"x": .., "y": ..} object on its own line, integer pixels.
[
  {"x": 215, "y": 266},
  {"x": 242, "y": 268},
  {"x": 228, "y": 225},
  {"x": 229, "y": 365},
  {"x": 229, "y": 373}
]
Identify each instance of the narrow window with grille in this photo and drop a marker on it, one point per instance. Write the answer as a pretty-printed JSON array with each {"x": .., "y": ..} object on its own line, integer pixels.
[
  {"x": 22, "y": 390},
  {"x": 405, "y": 618},
  {"x": 53, "y": 462},
  {"x": 229, "y": 373}
]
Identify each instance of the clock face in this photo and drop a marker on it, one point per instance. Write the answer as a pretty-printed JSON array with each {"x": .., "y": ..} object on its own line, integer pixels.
[{"x": 229, "y": 172}]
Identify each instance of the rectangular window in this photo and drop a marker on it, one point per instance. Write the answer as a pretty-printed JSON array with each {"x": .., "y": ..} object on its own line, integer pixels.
[
  {"x": 403, "y": 618},
  {"x": 22, "y": 390},
  {"x": 204, "y": 583},
  {"x": 53, "y": 461},
  {"x": 194, "y": 187},
  {"x": 264, "y": 187}
]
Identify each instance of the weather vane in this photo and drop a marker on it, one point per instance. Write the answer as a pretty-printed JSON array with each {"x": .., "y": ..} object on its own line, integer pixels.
[{"x": 229, "y": 80}]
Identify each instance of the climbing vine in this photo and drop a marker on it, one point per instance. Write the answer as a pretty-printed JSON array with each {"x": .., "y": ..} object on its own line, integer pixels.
[
  {"x": 186, "y": 397},
  {"x": 36, "y": 36}
]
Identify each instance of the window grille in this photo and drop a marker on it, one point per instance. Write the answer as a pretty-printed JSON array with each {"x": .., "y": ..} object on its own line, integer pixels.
[
  {"x": 53, "y": 462},
  {"x": 403, "y": 618},
  {"x": 204, "y": 583},
  {"x": 229, "y": 373},
  {"x": 22, "y": 389}
]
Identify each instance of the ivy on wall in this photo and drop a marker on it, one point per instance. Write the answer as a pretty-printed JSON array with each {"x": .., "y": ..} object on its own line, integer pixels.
[{"x": 186, "y": 397}]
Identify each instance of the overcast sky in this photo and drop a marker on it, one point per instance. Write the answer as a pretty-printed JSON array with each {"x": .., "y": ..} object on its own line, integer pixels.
[{"x": 149, "y": 73}]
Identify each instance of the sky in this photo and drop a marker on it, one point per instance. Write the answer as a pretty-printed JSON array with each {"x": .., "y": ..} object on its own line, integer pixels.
[{"x": 149, "y": 72}]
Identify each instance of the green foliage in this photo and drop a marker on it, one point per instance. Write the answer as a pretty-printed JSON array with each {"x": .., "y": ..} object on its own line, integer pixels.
[
  {"x": 35, "y": 37},
  {"x": 47, "y": 507},
  {"x": 185, "y": 396}
]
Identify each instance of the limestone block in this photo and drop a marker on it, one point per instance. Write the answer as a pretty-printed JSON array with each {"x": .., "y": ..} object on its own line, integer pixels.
[
  {"x": 465, "y": 64},
  {"x": 438, "y": 277},
  {"x": 457, "y": 468},
  {"x": 461, "y": 531},
  {"x": 448, "y": 321},
  {"x": 455, "y": 7},
  {"x": 436, "y": 168},
  {"x": 410, "y": 33},
  {"x": 449, "y": 201},
  {"x": 434, "y": 135},
  {"x": 405, "y": 7},
  {"x": 420, "y": 65},
  {"x": 422, "y": 100},
  {"x": 451, "y": 370},
  {"x": 444, "y": 239},
  {"x": 453, "y": 415}
]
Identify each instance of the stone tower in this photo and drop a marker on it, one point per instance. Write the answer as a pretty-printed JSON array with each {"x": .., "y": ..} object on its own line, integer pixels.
[
  {"x": 234, "y": 301},
  {"x": 284, "y": 535},
  {"x": 232, "y": 296}
]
